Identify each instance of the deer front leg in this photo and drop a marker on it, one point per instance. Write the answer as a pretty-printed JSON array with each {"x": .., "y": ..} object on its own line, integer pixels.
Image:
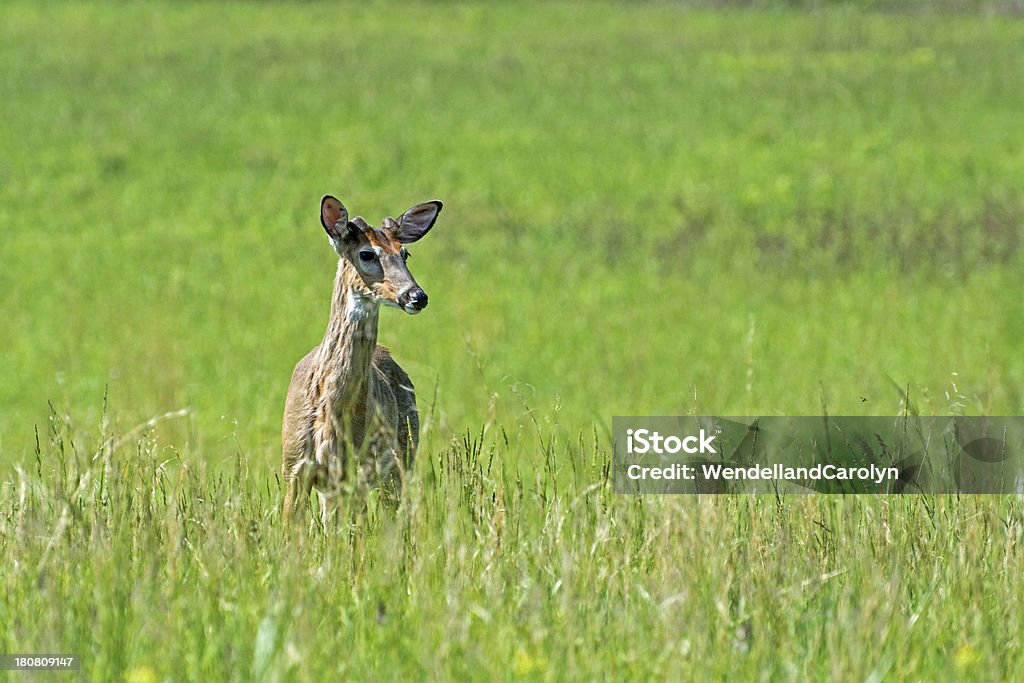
[
  {"x": 291, "y": 486},
  {"x": 299, "y": 482},
  {"x": 380, "y": 466},
  {"x": 332, "y": 480}
]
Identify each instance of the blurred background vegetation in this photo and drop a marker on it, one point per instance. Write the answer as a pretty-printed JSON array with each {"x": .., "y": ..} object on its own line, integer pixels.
[{"x": 650, "y": 208}]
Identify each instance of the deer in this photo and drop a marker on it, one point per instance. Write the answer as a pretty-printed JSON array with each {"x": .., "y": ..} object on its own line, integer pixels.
[{"x": 350, "y": 411}]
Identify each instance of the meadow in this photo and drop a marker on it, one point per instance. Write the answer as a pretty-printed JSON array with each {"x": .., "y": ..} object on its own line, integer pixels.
[{"x": 649, "y": 209}]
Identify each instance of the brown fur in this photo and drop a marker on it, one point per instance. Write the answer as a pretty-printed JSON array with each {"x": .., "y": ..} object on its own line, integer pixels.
[{"x": 351, "y": 409}]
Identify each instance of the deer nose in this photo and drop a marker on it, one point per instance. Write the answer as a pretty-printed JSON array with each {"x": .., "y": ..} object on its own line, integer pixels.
[{"x": 415, "y": 299}]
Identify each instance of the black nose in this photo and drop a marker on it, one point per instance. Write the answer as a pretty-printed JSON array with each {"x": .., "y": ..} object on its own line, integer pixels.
[{"x": 417, "y": 298}]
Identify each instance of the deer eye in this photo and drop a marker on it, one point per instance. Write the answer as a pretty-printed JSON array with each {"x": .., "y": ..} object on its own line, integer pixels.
[{"x": 367, "y": 255}]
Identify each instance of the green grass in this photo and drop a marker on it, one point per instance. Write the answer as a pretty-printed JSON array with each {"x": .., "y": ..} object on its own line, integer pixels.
[
  {"x": 504, "y": 562},
  {"x": 648, "y": 209}
]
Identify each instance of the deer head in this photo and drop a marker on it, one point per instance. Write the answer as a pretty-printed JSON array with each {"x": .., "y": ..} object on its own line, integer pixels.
[{"x": 378, "y": 255}]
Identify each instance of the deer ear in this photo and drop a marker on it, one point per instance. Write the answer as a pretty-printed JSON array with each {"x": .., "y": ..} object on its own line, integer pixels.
[
  {"x": 334, "y": 217},
  {"x": 417, "y": 221}
]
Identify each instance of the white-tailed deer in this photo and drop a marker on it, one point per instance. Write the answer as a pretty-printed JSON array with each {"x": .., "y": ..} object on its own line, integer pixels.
[{"x": 350, "y": 407}]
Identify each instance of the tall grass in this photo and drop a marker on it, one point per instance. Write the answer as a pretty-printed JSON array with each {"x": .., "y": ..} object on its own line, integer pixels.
[{"x": 503, "y": 562}]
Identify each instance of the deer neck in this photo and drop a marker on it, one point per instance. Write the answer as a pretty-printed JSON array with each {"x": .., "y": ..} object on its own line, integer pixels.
[{"x": 346, "y": 353}]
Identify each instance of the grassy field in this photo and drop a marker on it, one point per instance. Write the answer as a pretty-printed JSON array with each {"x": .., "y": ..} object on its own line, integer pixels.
[{"x": 649, "y": 209}]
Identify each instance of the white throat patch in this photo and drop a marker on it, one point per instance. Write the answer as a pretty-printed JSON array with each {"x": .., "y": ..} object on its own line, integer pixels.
[{"x": 360, "y": 307}]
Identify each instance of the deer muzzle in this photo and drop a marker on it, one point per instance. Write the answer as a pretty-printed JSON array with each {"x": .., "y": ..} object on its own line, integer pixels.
[{"x": 413, "y": 300}]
